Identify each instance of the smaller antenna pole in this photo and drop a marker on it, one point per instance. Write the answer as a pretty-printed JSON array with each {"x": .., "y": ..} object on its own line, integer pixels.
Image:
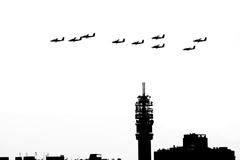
[{"x": 143, "y": 88}]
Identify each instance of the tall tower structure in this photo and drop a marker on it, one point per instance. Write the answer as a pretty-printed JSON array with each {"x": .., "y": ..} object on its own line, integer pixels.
[{"x": 144, "y": 122}]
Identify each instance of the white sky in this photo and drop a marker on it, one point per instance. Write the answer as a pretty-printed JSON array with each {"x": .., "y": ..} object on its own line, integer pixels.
[{"x": 78, "y": 98}]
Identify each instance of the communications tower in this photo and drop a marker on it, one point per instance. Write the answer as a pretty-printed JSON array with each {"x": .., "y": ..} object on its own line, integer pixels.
[{"x": 144, "y": 122}]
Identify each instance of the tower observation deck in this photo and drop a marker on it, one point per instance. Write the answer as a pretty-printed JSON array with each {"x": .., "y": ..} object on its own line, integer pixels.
[{"x": 144, "y": 122}]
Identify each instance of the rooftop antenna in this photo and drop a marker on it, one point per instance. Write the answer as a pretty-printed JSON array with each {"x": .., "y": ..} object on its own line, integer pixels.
[{"x": 143, "y": 88}]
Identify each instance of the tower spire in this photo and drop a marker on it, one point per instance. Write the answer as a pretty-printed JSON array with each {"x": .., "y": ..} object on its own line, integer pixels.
[{"x": 143, "y": 88}]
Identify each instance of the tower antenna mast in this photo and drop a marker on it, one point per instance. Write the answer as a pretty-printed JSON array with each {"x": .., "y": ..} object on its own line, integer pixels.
[{"x": 143, "y": 88}]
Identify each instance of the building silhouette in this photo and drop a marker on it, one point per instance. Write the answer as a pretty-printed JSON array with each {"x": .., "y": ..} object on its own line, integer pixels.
[
  {"x": 144, "y": 122},
  {"x": 61, "y": 157},
  {"x": 195, "y": 147},
  {"x": 29, "y": 158},
  {"x": 25, "y": 158},
  {"x": 96, "y": 157},
  {"x": 18, "y": 158}
]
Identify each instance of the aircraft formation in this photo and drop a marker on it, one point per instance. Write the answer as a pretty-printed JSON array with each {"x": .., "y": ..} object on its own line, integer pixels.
[
  {"x": 142, "y": 41},
  {"x": 74, "y": 39},
  {"x": 118, "y": 41},
  {"x": 197, "y": 41},
  {"x": 156, "y": 38}
]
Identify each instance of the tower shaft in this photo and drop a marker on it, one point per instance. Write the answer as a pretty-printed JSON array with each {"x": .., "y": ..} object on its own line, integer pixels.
[{"x": 144, "y": 150}]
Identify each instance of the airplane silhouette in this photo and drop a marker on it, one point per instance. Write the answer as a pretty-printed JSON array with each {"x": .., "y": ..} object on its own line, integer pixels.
[
  {"x": 158, "y": 37},
  {"x": 137, "y": 42},
  {"x": 118, "y": 41},
  {"x": 57, "y": 40},
  {"x": 75, "y": 39},
  {"x": 189, "y": 48},
  {"x": 87, "y": 36},
  {"x": 158, "y": 46},
  {"x": 200, "y": 40}
]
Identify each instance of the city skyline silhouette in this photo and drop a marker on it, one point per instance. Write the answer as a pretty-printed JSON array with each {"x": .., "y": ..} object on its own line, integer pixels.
[
  {"x": 195, "y": 146},
  {"x": 79, "y": 98}
]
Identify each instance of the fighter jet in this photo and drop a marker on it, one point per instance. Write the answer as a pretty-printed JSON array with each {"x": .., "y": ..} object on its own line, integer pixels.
[
  {"x": 87, "y": 36},
  {"x": 118, "y": 41},
  {"x": 200, "y": 40},
  {"x": 57, "y": 40},
  {"x": 158, "y": 46},
  {"x": 137, "y": 42},
  {"x": 158, "y": 37},
  {"x": 189, "y": 48},
  {"x": 75, "y": 39}
]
